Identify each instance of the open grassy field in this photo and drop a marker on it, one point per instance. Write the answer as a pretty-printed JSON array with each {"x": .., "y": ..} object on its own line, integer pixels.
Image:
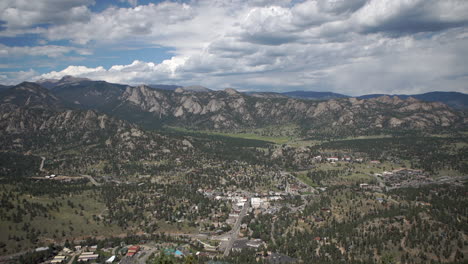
[{"x": 243, "y": 135}]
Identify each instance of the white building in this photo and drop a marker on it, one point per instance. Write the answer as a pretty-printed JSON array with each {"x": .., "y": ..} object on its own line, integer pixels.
[
  {"x": 110, "y": 260},
  {"x": 256, "y": 202}
]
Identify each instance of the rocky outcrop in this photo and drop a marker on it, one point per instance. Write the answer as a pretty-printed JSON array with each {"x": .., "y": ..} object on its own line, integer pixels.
[{"x": 229, "y": 109}]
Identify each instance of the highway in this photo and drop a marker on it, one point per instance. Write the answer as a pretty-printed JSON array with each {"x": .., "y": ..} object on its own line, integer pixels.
[{"x": 235, "y": 230}]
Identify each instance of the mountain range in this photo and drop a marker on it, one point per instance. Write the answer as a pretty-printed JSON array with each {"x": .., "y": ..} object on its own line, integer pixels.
[
  {"x": 229, "y": 110},
  {"x": 453, "y": 99}
]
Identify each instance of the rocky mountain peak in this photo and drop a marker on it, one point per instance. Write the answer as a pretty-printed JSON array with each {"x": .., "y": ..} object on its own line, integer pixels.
[
  {"x": 196, "y": 89},
  {"x": 179, "y": 90},
  {"x": 386, "y": 99},
  {"x": 71, "y": 79},
  {"x": 65, "y": 80},
  {"x": 231, "y": 91}
]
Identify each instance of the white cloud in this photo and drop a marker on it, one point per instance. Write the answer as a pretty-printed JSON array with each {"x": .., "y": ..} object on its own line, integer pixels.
[
  {"x": 114, "y": 24},
  {"x": 409, "y": 16},
  {"x": 12, "y": 78},
  {"x": 25, "y": 13},
  {"x": 52, "y": 51},
  {"x": 135, "y": 73},
  {"x": 348, "y": 46},
  {"x": 370, "y": 64}
]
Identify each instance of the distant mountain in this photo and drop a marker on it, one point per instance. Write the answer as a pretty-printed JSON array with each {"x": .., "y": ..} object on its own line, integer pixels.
[
  {"x": 83, "y": 93},
  {"x": 4, "y": 87},
  {"x": 193, "y": 88},
  {"x": 314, "y": 95},
  {"x": 453, "y": 99},
  {"x": 65, "y": 80},
  {"x": 267, "y": 95},
  {"x": 164, "y": 86},
  {"x": 29, "y": 95},
  {"x": 227, "y": 110},
  {"x": 87, "y": 94},
  {"x": 31, "y": 120},
  {"x": 196, "y": 88}
]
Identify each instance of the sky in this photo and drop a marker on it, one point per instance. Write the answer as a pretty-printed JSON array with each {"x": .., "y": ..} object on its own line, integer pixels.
[{"x": 352, "y": 47}]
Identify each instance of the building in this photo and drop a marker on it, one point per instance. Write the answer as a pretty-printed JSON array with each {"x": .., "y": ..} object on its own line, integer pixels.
[
  {"x": 132, "y": 251},
  {"x": 256, "y": 202},
  {"x": 256, "y": 243},
  {"x": 58, "y": 259},
  {"x": 333, "y": 159},
  {"x": 110, "y": 260},
  {"x": 41, "y": 249},
  {"x": 242, "y": 244},
  {"x": 87, "y": 256}
]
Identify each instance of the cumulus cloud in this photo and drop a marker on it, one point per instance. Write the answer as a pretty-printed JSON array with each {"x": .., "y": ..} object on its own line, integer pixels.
[
  {"x": 348, "y": 46},
  {"x": 23, "y": 13},
  {"x": 115, "y": 24},
  {"x": 410, "y": 16},
  {"x": 340, "y": 6},
  {"x": 12, "y": 78},
  {"x": 134, "y": 73}
]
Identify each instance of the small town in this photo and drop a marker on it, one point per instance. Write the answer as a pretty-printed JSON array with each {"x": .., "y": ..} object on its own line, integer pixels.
[{"x": 234, "y": 132}]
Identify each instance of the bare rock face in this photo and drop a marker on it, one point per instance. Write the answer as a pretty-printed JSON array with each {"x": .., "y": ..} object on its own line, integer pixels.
[
  {"x": 387, "y": 100},
  {"x": 147, "y": 99},
  {"x": 213, "y": 105},
  {"x": 231, "y": 91},
  {"x": 355, "y": 101},
  {"x": 190, "y": 104},
  {"x": 187, "y": 143},
  {"x": 278, "y": 153},
  {"x": 179, "y": 90},
  {"x": 395, "y": 122},
  {"x": 179, "y": 111}
]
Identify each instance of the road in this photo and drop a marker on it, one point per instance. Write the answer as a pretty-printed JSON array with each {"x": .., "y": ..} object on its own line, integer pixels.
[
  {"x": 272, "y": 233},
  {"x": 235, "y": 230},
  {"x": 442, "y": 180},
  {"x": 91, "y": 179},
  {"x": 73, "y": 257},
  {"x": 41, "y": 167}
]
